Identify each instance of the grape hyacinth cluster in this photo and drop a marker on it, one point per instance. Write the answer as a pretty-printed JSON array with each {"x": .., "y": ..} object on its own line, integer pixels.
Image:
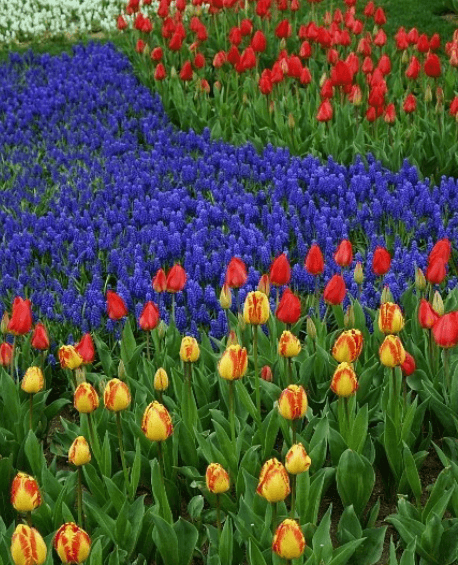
[{"x": 99, "y": 191}]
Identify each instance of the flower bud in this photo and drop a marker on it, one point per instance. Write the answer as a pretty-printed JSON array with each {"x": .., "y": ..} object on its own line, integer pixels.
[
  {"x": 161, "y": 329},
  {"x": 79, "y": 452},
  {"x": 33, "y": 380},
  {"x": 428, "y": 94},
  {"x": 405, "y": 57},
  {"x": 159, "y": 282},
  {"x": 344, "y": 382},
  {"x": 233, "y": 363},
  {"x": 288, "y": 345},
  {"x": 85, "y": 347},
  {"x": 116, "y": 396},
  {"x": 292, "y": 403},
  {"x": 409, "y": 366},
  {"x": 349, "y": 317},
  {"x": 266, "y": 374},
  {"x": 348, "y": 346},
  {"x": 69, "y": 357},
  {"x": 311, "y": 328},
  {"x": 156, "y": 422},
  {"x": 161, "y": 380},
  {"x": 6, "y": 354},
  {"x": 392, "y": 352},
  {"x": 264, "y": 285},
  {"x": 288, "y": 541},
  {"x": 27, "y": 546},
  {"x": 40, "y": 339},
  {"x": 445, "y": 330},
  {"x": 241, "y": 322},
  {"x": 4, "y": 323},
  {"x": 358, "y": 274},
  {"x": 217, "y": 478},
  {"x": 386, "y": 295},
  {"x": 121, "y": 371},
  {"x": 225, "y": 298},
  {"x": 438, "y": 304},
  {"x": 189, "y": 350},
  {"x": 256, "y": 309},
  {"x": 232, "y": 339},
  {"x": 291, "y": 121},
  {"x": 420, "y": 280},
  {"x": 25, "y": 494},
  {"x": 85, "y": 399},
  {"x": 390, "y": 318},
  {"x": 427, "y": 316},
  {"x": 297, "y": 461},
  {"x": 273, "y": 481},
  {"x": 72, "y": 543}
]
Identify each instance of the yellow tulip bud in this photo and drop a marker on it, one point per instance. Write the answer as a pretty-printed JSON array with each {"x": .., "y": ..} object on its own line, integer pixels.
[
  {"x": 233, "y": 363},
  {"x": 79, "y": 452},
  {"x": 310, "y": 327},
  {"x": 189, "y": 350},
  {"x": 297, "y": 461},
  {"x": 344, "y": 382},
  {"x": 85, "y": 399},
  {"x": 33, "y": 380},
  {"x": 4, "y": 323},
  {"x": 289, "y": 541},
  {"x": 225, "y": 298},
  {"x": 256, "y": 309},
  {"x": 392, "y": 352},
  {"x": 116, "y": 396},
  {"x": 69, "y": 357},
  {"x": 121, "y": 370},
  {"x": 349, "y": 317},
  {"x": 72, "y": 543},
  {"x": 289, "y": 345},
  {"x": 292, "y": 403},
  {"x": 390, "y": 319},
  {"x": 273, "y": 481},
  {"x": 161, "y": 329},
  {"x": 438, "y": 303},
  {"x": 386, "y": 295},
  {"x": 25, "y": 494},
  {"x": 348, "y": 346},
  {"x": 27, "y": 546},
  {"x": 241, "y": 321},
  {"x": 232, "y": 339},
  {"x": 217, "y": 478},
  {"x": 358, "y": 274},
  {"x": 156, "y": 422},
  {"x": 161, "y": 380},
  {"x": 420, "y": 280}
]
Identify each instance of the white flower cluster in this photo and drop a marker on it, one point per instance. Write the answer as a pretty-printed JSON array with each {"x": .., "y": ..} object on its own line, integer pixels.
[{"x": 24, "y": 20}]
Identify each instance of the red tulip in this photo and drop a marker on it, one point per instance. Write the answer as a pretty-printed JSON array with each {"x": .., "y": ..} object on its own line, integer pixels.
[
  {"x": 121, "y": 23},
  {"x": 390, "y": 114},
  {"x": 327, "y": 91},
  {"x": 427, "y": 316},
  {"x": 441, "y": 250},
  {"x": 445, "y": 330},
  {"x": 369, "y": 10},
  {"x": 140, "y": 46},
  {"x": 433, "y": 66},
  {"x": 324, "y": 111},
  {"x": 335, "y": 290},
  {"x": 160, "y": 281},
  {"x": 149, "y": 317},
  {"x": 21, "y": 318},
  {"x": 176, "y": 279},
  {"x": 186, "y": 71},
  {"x": 436, "y": 271},
  {"x": 116, "y": 307},
  {"x": 381, "y": 261},
  {"x": 413, "y": 36},
  {"x": 410, "y": 104},
  {"x": 283, "y": 29},
  {"x": 280, "y": 271},
  {"x": 233, "y": 56},
  {"x": 246, "y": 27},
  {"x": 454, "y": 107},
  {"x": 423, "y": 43},
  {"x": 413, "y": 69},
  {"x": 344, "y": 254},
  {"x": 409, "y": 366},
  {"x": 258, "y": 42},
  {"x": 236, "y": 274},
  {"x": 435, "y": 42},
  {"x": 86, "y": 349},
  {"x": 367, "y": 66},
  {"x": 199, "y": 61},
  {"x": 380, "y": 38},
  {"x": 235, "y": 36},
  {"x": 265, "y": 82},
  {"x": 314, "y": 262},
  {"x": 289, "y": 308},
  {"x": 6, "y": 354},
  {"x": 341, "y": 74},
  {"x": 160, "y": 73},
  {"x": 40, "y": 338},
  {"x": 156, "y": 54},
  {"x": 384, "y": 65},
  {"x": 379, "y": 17}
]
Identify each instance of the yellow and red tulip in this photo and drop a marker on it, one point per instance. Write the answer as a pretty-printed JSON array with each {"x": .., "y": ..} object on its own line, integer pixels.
[
  {"x": 27, "y": 546},
  {"x": 344, "y": 382},
  {"x": 392, "y": 352},
  {"x": 256, "y": 309},
  {"x": 348, "y": 346},
  {"x": 116, "y": 396},
  {"x": 85, "y": 399},
  {"x": 25, "y": 494},
  {"x": 79, "y": 452},
  {"x": 233, "y": 363},
  {"x": 292, "y": 403},
  {"x": 156, "y": 422},
  {"x": 288, "y": 345},
  {"x": 273, "y": 481},
  {"x": 297, "y": 461},
  {"x": 189, "y": 350},
  {"x": 69, "y": 357},
  {"x": 72, "y": 543},
  {"x": 217, "y": 478},
  {"x": 225, "y": 297},
  {"x": 161, "y": 380},
  {"x": 33, "y": 380},
  {"x": 390, "y": 319},
  {"x": 289, "y": 541}
]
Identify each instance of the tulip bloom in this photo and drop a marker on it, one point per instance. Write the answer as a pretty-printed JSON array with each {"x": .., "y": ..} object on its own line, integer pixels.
[
  {"x": 441, "y": 250},
  {"x": 325, "y": 111},
  {"x": 156, "y": 422},
  {"x": 344, "y": 382},
  {"x": 289, "y": 308},
  {"x": 189, "y": 349},
  {"x": 381, "y": 261},
  {"x": 33, "y": 381},
  {"x": 256, "y": 309},
  {"x": 116, "y": 307},
  {"x": 344, "y": 254},
  {"x": 72, "y": 543},
  {"x": 40, "y": 338},
  {"x": 288, "y": 541},
  {"x": 160, "y": 281},
  {"x": 273, "y": 481},
  {"x": 348, "y": 346},
  {"x": 433, "y": 66},
  {"x": 85, "y": 399},
  {"x": 335, "y": 290},
  {"x": 292, "y": 403},
  {"x": 27, "y": 546},
  {"x": 176, "y": 279},
  {"x": 410, "y": 104},
  {"x": 266, "y": 374},
  {"x": 116, "y": 396},
  {"x": 149, "y": 318},
  {"x": 236, "y": 274},
  {"x": 390, "y": 319},
  {"x": 21, "y": 318},
  {"x": 289, "y": 345},
  {"x": 79, "y": 452},
  {"x": 6, "y": 354},
  {"x": 445, "y": 330},
  {"x": 436, "y": 271},
  {"x": 25, "y": 494},
  {"x": 280, "y": 271},
  {"x": 69, "y": 357},
  {"x": 161, "y": 380},
  {"x": 225, "y": 297},
  {"x": 233, "y": 363},
  {"x": 264, "y": 285},
  {"x": 391, "y": 352},
  {"x": 297, "y": 461},
  {"x": 217, "y": 478},
  {"x": 409, "y": 366},
  {"x": 427, "y": 316},
  {"x": 86, "y": 350}
]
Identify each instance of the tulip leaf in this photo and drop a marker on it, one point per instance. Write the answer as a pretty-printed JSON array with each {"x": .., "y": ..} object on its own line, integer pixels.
[
  {"x": 412, "y": 475},
  {"x": 95, "y": 557},
  {"x": 226, "y": 543},
  {"x": 321, "y": 542},
  {"x": 104, "y": 356},
  {"x": 355, "y": 480},
  {"x": 343, "y": 553},
  {"x": 166, "y": 540},
  {"x": 159, "y": 492},
  {"x": 187, "y": 536},
  {"x": 136, "y": 470},
  {"x": 35, "y": 455},
  {"x": 255, "y": 556}
]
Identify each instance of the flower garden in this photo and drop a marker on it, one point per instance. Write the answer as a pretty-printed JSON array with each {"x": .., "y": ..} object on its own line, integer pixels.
[{"x": 231, "y": 341}]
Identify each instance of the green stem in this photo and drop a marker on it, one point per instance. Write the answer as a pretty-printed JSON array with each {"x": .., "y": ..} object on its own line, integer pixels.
[
  {"x": 93, "y": 437},
  {"x": 80, "y": 498},
  {"x": 290, "y": 370},
  {"x": 31, "y": 412},
  {"x": 121, "y": 450},
  {"x": 148, "y": 354},
  {"x": 28, "y": 517},
  {"x": 232, "y": 415},
  {"x": 218, "y": 515},
  {"x": 293, "y": 428},
  {"x": 13, "y": 351},
  {"x": 293, "y": 496},
  {"x": 161, "y": 462},
  {"x": 347, "y": 415},
  {"x": 447, "y": 369},
  {"x": 274, "y": 517},
  {"x": 256, "y": 373}
]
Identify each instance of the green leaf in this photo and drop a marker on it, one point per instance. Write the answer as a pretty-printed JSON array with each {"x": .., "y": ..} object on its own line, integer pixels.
[
  {"x": 343, "y": 554},
  {"x": 355, "y": 480},
  {"x": 159, "y": 492},
  {"x": 412, "y": 475},
  {"x": 226, "y": 543},
  {"x": 255, "y": 556},
  {"x": 165, "y": 538},
  {"x": 96, "y": 553},
  {"x": 187, "y": 536},
  {"x": 136, "y": 470}
]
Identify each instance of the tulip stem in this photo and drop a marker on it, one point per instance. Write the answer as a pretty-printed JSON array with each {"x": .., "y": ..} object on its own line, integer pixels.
[
  {"x": 121, "y": 450},
  {"x": 28, "y": 517},
  {"x": 173, "y": 309},
  {"x": 148, "y": 354},
  {"x": 94, "y": 440},
  {"x": 447, "y": 369},
  {"x": 218, "y": 515},
  {"x": 256, "y": 373},
  {"x": 293, "y": 496},
  {"x": 278, "y": 296},
  {"x": 347, "y": 414},
  {"x": 274, "y": 517},
  {"x": 188, "y": 369},
  {"x": 160, "y": 397},
  {"x": 80, "y": 498},
  {"x": 293, "y": 428},
  {"x": 31, "y": 412},
  {"x": 232, "y": 415},
  {"x": 290, "y": 370},
  {"x": 13, "y": 351},
  {"x": 161, "y": 462}
]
